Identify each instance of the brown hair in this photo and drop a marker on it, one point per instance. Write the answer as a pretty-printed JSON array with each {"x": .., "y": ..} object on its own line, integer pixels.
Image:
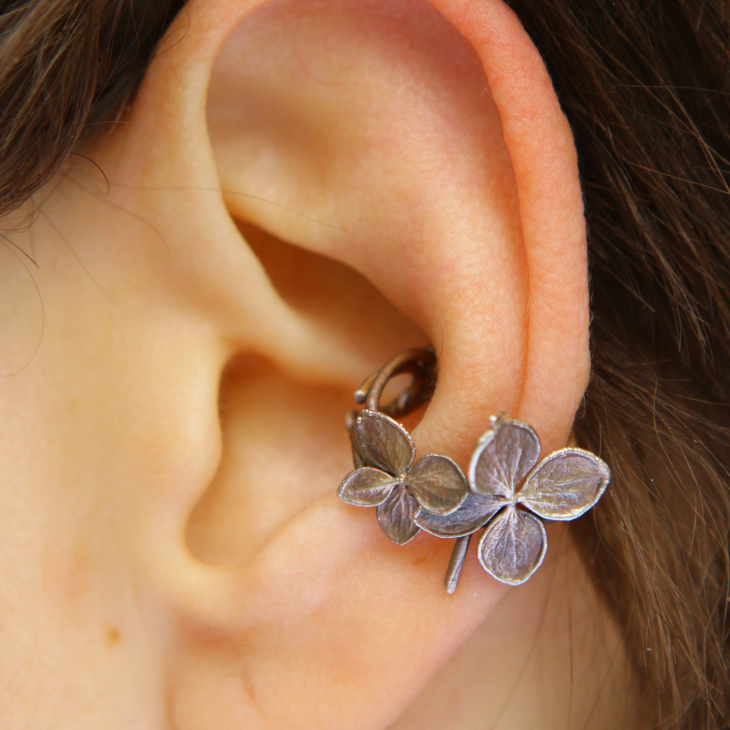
[
  {"x": 645, "y": 85},
  {"x": 65, "y": 67}
]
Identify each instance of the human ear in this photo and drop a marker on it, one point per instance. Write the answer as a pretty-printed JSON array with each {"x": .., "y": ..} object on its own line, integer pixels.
[
  {"x": 423, "y": 147},
  {"x": 463, "y": 207}
]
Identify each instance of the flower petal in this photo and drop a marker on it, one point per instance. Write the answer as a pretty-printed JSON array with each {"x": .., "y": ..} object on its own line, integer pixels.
[
  {"x": 396, "y": 515},
  {"x": 357, "y": 459},
  {"x": 513, "y": 546},
  {"x": 366, "y": 487},
  {"x": 437, "y": 483},
  {"x": 383, "y": 442},
  {"x": 475, "y": 511},
  {"x": 565, "y": 485},
  {"x": 503, "y": 457}
]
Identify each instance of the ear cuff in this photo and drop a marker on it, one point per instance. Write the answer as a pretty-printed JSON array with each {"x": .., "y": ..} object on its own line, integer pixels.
[{"x": 509, "y": 491}]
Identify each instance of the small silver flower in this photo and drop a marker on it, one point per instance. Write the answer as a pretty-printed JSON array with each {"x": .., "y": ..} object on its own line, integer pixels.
[
  {"x": 389, "y": 480},
  {"x": 510, "y": 492}
]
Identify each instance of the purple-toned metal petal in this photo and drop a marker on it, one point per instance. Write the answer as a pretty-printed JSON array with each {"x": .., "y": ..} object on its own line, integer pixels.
[
  {"x": 357, "y": 459},
  {"x": 366, "y": 487},
  {"x": 513, "y": 546},
  {"x": 475, "y": 511},
  {"x": 383, "y": 442},
  {"x": 437, "y": 483},
  {"x": 396, "y": 515},
  {"x": 565, "y": 484},
  {"x": 503, "y": 457}
]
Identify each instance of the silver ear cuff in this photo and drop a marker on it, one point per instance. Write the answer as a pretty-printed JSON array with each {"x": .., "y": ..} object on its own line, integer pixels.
[{"x": 509, "y": 491}]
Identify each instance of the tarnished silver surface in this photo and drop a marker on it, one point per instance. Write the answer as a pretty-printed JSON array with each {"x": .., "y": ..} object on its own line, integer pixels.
[
  {"x": 437, "y": 483},
  {"x": 502, "y": 475},
  {"x": 513, "y": 546},
  {"x": 383, "y": 454},
  {"x": 357, "y": 459},
  {"x": 475, "y": 511},
  {"x": 458, "y": 555},
  {"x": 507, "y": 491},
  {"x": 565, "y": 484},
  {"x": 503, "y": 457},
  {"x": 396, "y": 514},
  {"x": 366, "y": 487},
  {"x": 383, "y": 442},
  {"x": 420, "y": 364},
  {"x": 350, "y": 421}
]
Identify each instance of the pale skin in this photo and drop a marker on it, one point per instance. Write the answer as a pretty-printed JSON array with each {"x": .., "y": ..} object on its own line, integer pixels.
[{"x": 173, "y": 554}]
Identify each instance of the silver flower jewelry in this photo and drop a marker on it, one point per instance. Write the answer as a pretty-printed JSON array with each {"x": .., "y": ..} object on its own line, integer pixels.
[
  {"x": 508, "y": 491},
  {"x": 512, "y": 494},
  {"x": 386, "y": 476}
]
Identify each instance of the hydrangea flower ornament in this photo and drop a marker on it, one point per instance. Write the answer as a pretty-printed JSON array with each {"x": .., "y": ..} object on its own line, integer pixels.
[
  {"x": 383, "y": 451},
  {"x": 511, "y": 493}
]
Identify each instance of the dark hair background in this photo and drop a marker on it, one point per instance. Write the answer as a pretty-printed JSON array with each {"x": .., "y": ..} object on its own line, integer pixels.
[{"x": 646, "y": 87}]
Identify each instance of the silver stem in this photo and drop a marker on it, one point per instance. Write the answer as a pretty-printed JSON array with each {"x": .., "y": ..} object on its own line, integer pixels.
[{"x": 456, "y": 563}]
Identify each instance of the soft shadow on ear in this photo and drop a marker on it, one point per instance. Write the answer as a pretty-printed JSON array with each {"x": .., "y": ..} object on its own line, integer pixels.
[{"x": 423, "y": 147}]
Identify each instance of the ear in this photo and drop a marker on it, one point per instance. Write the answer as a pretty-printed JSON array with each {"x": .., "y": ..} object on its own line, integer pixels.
[{"x": 423, "y": 147}]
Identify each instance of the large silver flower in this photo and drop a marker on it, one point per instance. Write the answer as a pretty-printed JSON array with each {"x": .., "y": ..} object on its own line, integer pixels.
[
  {"x": 389, "y": 480},
  {"x": 510, "y": 492}
]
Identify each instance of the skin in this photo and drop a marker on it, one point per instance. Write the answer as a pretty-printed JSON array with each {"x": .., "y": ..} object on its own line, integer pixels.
[{"x": 298, "y": 193}]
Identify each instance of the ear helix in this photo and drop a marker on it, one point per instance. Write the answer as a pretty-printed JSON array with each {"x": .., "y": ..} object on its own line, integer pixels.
[{"x": 510, "y": 492}]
